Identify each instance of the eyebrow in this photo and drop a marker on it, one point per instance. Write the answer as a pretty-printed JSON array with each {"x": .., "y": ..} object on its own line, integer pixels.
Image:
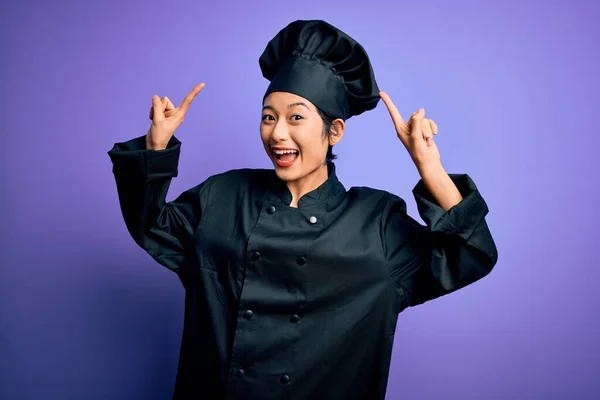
[{"x": 299, "y": 103}]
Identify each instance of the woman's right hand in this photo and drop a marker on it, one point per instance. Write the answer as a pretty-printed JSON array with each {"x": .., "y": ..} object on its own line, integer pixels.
[{"x": 166, "y": 118}]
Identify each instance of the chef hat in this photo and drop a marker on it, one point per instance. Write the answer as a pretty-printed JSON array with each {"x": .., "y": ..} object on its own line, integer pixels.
[{"x": 317, "y": 61}]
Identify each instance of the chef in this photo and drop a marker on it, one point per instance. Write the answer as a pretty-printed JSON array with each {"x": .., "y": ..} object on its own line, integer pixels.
[{"x": 293, "y": 282}]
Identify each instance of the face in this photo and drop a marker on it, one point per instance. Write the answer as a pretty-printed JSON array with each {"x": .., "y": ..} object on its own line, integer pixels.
[{"x": 293, "y": 135}]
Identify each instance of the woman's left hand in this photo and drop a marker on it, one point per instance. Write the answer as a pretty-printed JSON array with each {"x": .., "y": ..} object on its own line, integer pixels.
[{"x": 416, "y": 135}]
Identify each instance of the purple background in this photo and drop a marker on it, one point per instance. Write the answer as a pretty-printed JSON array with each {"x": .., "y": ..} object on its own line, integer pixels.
[{"x": 513, "y": 86}]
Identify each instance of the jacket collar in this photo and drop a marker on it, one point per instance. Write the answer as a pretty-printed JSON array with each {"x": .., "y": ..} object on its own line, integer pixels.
[{"x": 329, "y": 194}]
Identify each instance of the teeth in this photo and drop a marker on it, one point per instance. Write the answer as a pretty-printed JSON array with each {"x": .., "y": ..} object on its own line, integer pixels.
[{"x": 285, "y": 151}]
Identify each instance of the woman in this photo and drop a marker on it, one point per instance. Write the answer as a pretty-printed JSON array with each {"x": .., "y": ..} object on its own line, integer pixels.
[{"x": 293, "y": 283}]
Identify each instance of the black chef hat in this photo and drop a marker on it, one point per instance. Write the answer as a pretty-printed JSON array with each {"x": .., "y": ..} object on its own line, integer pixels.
[{"x": 317, "y": 61}]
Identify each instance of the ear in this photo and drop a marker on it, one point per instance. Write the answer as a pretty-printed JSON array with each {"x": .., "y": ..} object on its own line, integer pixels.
[{"x": 337, "y": 131}]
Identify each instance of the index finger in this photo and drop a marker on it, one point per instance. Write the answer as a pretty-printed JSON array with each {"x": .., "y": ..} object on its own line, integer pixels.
[
  {"x": 394, "y": 113},
  {"x": 185, "y": 104}
]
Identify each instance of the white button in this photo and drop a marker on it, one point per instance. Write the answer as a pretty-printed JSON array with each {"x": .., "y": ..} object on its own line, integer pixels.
[{"x": 313, "y": 220}]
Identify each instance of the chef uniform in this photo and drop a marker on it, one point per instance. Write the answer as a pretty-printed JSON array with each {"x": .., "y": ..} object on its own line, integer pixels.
[{"x": 298, "y": 303}]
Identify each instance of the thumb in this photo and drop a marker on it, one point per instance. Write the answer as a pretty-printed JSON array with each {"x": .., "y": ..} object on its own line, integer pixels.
[
  {"x": 417, "y": 119},
  {"x": 158, "y": 109}
]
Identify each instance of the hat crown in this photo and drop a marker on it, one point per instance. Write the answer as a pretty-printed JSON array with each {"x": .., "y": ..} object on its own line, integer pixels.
[{"x": 329, "y": 51}]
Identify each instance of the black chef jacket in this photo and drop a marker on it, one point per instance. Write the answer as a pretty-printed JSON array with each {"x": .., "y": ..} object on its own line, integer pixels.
[{"x": 294, "y": 303}]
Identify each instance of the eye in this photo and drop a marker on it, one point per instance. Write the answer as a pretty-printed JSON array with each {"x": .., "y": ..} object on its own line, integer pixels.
[
  {"x": 297, "y": 117},
  {"x": 267, "y": 117}
]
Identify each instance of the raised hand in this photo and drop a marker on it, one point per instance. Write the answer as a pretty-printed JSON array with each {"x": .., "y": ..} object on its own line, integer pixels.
[
  {"x": 416, "y": 134},
  {"x": 166, "y": 118}
]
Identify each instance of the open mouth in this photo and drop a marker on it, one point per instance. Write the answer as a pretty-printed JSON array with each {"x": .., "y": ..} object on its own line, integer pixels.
[{"x": 286, "y": 156}]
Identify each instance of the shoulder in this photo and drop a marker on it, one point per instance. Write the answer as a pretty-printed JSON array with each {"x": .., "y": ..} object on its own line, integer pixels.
[
  {"x": 377, "y": 199},
  {"x": 242, "y": 177},
  {"x": 365, "y": 193},
  {"x": 234, "y": 180}
]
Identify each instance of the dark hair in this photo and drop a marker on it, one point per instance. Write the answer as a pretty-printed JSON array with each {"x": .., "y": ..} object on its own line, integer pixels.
[{"x": 327, "y": 122}]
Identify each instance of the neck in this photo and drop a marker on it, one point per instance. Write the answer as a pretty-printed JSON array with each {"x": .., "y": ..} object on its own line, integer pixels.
[{"x": 307, "y": 183}]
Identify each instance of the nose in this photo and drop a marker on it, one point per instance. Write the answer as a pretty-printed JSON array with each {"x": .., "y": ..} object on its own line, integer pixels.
[{"x": 280, "y": 131}]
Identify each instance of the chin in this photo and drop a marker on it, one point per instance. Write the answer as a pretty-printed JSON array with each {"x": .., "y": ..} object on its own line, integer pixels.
[{"x": 287, "y": 174}]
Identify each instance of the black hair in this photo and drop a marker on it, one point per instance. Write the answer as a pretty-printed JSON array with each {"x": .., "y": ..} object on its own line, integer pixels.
[{"x": 327, "y": 123}]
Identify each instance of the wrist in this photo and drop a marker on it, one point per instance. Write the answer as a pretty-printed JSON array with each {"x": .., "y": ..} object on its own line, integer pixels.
[
  {"x": 431, "y": 170},
  {"x": 152, "y": 145}
]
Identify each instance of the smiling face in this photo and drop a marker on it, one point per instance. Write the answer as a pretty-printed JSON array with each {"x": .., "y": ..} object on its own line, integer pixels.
[{"x": 293, "y": 136}]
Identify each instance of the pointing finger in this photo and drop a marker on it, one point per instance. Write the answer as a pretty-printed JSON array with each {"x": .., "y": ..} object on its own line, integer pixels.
[
  {"x": 185, "y": 104},
  {"x": 397, "y": 119}
]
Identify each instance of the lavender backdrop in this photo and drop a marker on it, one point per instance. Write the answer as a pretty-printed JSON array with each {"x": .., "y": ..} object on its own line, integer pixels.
[{"x": 85, "y": 314}]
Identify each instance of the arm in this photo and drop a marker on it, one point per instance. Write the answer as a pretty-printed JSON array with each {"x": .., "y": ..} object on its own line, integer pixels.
[
  {"x": 142, "y": 178},
  {"x": 454, "y": 250}
]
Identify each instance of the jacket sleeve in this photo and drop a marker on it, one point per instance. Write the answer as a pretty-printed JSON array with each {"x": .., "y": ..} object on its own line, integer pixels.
[
  {"x": 453, "y": 250},
  {"x": 163, "y": 229}
]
